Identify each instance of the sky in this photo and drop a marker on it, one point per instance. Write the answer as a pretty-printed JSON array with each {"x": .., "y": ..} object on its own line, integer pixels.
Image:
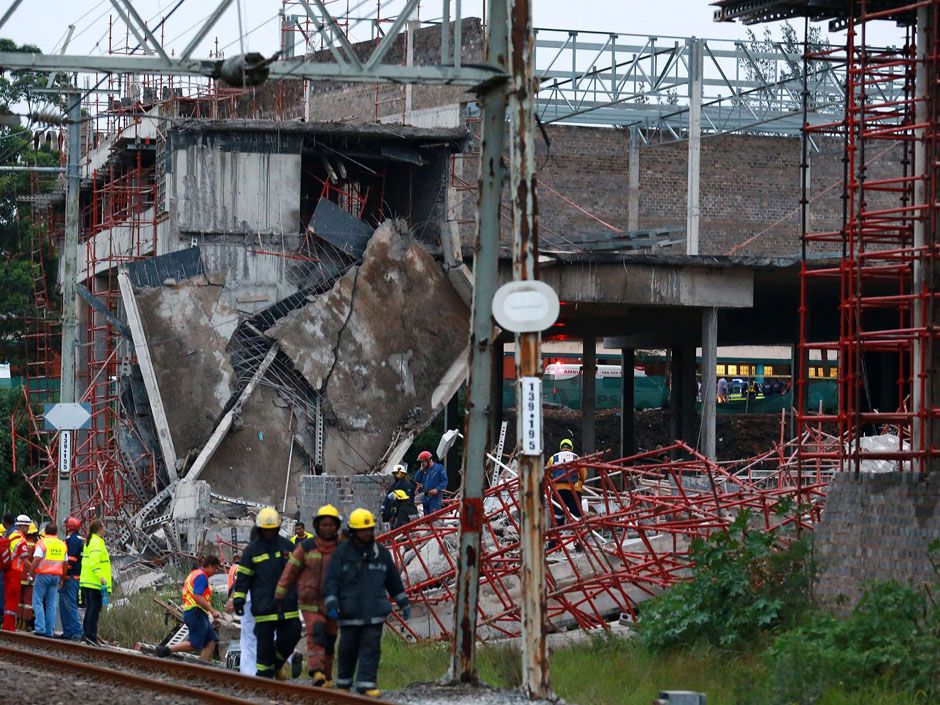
[{"x": 44, "y": 23}]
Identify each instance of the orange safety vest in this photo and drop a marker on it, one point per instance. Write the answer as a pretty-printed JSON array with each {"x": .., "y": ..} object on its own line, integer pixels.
[
  {"x": 189, "y": 597},
  {"x": 231, "y": 575},
  {"x": 54, "y": 558},
  {"x": 18, "y": 549}
]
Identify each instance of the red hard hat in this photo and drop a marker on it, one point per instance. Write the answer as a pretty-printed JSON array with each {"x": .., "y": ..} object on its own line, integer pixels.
[
  {"x": 72, "y": 523},
  {"x": 424, "y": 455}
]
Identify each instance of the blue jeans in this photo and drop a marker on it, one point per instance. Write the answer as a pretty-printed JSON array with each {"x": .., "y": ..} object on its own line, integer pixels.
[
  {"x": 45, "y": 591},
  {"x": 68, "y": 607},
  {"x": 432, "y": 504}
]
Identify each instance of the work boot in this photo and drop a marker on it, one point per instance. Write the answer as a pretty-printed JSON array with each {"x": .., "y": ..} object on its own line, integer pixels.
[
  {"x": 320, "y": 679},
  {"x": 162, "y": 651},
  {"x": 282, "y": 673},
  {"x": 296, "y": 665}
]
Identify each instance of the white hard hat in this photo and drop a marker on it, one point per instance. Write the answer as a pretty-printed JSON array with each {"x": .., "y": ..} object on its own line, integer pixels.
[{"x": 23, "y": 519}]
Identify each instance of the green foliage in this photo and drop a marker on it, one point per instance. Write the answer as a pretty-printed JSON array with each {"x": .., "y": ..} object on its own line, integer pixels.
[
  {"x": 15, "y": 494},
  {"x": 890, "y": 640},
  {"x": 742, "y": 587},
  {"x": 16, "y": 297}
]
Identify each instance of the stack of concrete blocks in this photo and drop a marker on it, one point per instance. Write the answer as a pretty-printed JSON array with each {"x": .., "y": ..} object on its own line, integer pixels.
[{"x": 345, "y": 493}]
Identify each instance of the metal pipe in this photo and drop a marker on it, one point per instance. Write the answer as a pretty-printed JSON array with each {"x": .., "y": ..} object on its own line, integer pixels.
[
  {"x": 523, "y": 90},
  {"x": 918, "y": 372},
  {"x": 693, "y": 214},
  {"x": 36, "y": 169},
  {"x": 709, "y": 382},
  {"x": 482, "y": 336},
  {"x": 69, "y": 287}
]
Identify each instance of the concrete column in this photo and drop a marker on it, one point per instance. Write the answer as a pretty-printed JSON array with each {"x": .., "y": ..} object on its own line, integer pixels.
[
  {"x": 633, "y": 183},
  {"x": 709, "y": 381},
  {"x": 588, "y": 394},
  {"x": 693, "y": 214},
  {"x": 675, "y": 394},
  {"x": 627, "y": 428},
  {"x": 682, "y": 425}
]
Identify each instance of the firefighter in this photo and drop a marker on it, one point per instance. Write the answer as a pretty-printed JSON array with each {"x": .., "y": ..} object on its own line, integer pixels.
[
  {"x": 68, "y": 594},
  {"x": 26, "y": 616},
  {"x": 359, "y": 580},
  {"x": 300, "y": 533},
  {"x": 12, "y": 578},
  {"x": 277, "y": 622},
  {"x": 568, "y": 481},
  {"x": 398, "y": 509},
  {"x": 6, "y": 558},
  {"x": 307, "y": 568}
]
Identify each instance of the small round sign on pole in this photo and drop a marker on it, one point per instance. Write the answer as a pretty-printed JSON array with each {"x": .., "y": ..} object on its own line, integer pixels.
[{"x": 528, "y": 306}]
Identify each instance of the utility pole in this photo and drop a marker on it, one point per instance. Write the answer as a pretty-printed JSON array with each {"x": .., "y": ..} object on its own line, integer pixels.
[
  {"x": 69, "y": 301},
  {"x": 485, "y": 262},
  {"x": 523, "y": 88}
]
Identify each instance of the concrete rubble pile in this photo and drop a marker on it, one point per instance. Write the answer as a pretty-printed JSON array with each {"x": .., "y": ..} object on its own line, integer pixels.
[{"x": 335, "y": 381}]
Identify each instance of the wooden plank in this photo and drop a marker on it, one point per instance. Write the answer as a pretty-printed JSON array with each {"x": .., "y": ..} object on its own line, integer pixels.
[{"x": 142, "y": 351}]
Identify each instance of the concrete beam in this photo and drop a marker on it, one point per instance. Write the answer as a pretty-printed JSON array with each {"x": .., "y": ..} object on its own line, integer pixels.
[
  {"x": 645, "y": 284},
  {"x": 142, "y": 350},
  {"x": 225, "y": 423},
  {"x": 588, "y": 394}
]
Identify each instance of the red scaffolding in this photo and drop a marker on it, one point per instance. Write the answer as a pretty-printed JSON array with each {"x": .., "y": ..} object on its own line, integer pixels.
[{"x": 887, "y": 247}]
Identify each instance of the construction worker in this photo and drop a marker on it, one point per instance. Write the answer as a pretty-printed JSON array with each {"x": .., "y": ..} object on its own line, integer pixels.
[
  {"x": 68, "y": 593},
  {"x": 197, "y": 608},
  {"x": 300, "y": 533},
  {"x": 50, "y": 560},
  {"x": 398, "y": 509},
  {"x": 12, "y": 578},
  {"x": 277, "y": 622},
  {"x": 568, "y": 481},
  {"x": 25, "y": 614},
  {"x": 306, "y": 568},
  {"x": 431, "y": 479},
  {"x": 402, "y": 481},
  {"x": 94, "y": 581},
  {"x": 359, "y": 580}
]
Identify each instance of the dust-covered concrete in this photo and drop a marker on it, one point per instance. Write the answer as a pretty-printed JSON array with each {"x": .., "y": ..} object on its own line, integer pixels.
[
  {"x": 252, "y": 459},
  {"x": 376, "y": 346},
  {"x": 188, "y": 326}
]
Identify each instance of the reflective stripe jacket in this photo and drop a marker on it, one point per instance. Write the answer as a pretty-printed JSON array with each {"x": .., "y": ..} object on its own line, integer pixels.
[
  {"x": 359, "y": 581},
  {"x": 19, "y": 550},
  {"x": 96, "y": 564},
  {"x": 75, "y": 545},
  {"x": 54, "y": 556},
  {"x": 307, "y": 568},
  {"x": 189, "y": 595},
  {"x": 259, "y": 570},
  {"x": 567, "y": 478}
]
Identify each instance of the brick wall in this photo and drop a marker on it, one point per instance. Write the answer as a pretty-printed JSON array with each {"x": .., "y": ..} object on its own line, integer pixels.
[{"x": 876, "y": 526}]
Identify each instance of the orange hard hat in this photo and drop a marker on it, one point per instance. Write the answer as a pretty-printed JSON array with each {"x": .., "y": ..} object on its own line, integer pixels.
[{"x": 424, "y": 455}]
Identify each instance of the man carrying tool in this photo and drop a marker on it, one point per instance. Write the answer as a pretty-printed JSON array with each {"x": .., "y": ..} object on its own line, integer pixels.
[
  {"x": 197, "y": 608},
  {"x": 307, "y": 568},
  {"x": 431, "y": 479},
  {"x": 277, "y": 622},
  {"x": 359, "y": 580}
]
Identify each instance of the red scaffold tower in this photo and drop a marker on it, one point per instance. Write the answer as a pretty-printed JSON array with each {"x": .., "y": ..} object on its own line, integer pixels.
[{"x": 884, "y": 257}]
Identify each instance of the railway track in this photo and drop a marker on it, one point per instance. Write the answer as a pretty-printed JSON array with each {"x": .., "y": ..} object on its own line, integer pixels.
[{"x": 205, "y": 684}]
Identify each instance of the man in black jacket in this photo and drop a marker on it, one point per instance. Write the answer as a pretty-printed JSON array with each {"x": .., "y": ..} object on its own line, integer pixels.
[
  {"x": 277, "y": 621},
  {"x": 359, "y": 581}
]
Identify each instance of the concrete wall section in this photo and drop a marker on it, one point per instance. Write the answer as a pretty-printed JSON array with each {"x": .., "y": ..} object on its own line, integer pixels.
[
  {"x": 188, "y": 328},
  {"x": 245, "y": 185},
  {"x": 876, "y": 527}
]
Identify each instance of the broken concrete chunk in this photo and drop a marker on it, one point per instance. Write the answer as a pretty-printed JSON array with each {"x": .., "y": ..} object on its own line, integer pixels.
[{"x": 344, "y": 231}]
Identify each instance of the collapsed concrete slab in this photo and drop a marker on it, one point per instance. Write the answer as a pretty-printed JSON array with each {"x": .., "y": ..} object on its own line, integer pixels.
[
  {"x": 376, "y": 347},
  {"x": 188, "y": 326}
]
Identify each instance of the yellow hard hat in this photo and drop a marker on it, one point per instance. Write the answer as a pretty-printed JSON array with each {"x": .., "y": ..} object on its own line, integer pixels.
[
  {"x": 268, "y": 518},
  {"x": 327, "y": 510},
  {"x": 566, "y": 442},
  {"x": 33, "y": 529},
  {"x": 401, "y": 494},
  {"x": 361, "y": 519}
]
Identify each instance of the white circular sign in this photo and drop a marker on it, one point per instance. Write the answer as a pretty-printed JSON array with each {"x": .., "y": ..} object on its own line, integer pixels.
[{"x": 525, "y": 306}]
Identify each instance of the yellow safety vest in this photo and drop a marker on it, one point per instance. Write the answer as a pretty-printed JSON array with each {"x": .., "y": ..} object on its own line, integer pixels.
[
  {"x": 56, "y": 555},
  {"x": 189, "y": 597}
]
